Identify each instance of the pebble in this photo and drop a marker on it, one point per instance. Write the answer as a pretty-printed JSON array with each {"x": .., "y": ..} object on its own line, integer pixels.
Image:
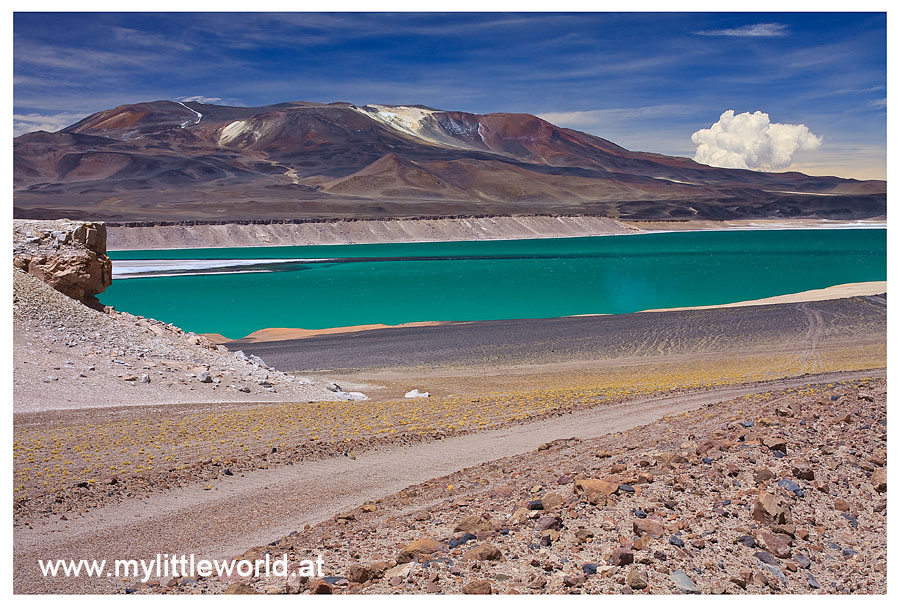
[{"x": 683, "y": 582}]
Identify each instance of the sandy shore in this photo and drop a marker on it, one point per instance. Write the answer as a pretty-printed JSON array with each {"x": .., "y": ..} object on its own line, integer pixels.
[{"x": 840, "y": 291}]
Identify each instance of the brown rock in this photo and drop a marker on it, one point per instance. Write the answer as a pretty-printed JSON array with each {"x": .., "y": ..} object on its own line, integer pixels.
[
  {"x": 320, "y": 587},
  {"x": 879, "y": 479},
  {"x": 473, "y": 524},
  {"x": 841, "y": 505},
  {"x": 774, "y": 443},
  {"x": 804, "y": 473},
  {"x": 417, "y": 548},
  {"x": 377, "y": 569},
  {"x": 648, "y": 526},
  {"x": 482, "y": 587},
  {"x": 482, "y": 552},
  {"x": 769, "y": 509},
  {"x": 551, "y": 500},
  {"x": 593, "y": 486},
  {"x": 621, "y": 556},
  {"x": 582, "y": 535},
  {"x": 636, "y": 578},
  {"x": 776, "y": 544},
  {"x": 68, "y": 263},
  {"x": 763, "y": 475},
  {"x": 359, "y": 574}
]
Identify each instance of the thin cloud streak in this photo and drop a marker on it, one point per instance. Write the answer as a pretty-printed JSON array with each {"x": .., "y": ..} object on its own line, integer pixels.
[{"x": 758, "y": 30}]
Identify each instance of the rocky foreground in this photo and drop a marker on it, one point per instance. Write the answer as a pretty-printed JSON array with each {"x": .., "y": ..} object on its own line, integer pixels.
[{"x": 779, "y": 493}]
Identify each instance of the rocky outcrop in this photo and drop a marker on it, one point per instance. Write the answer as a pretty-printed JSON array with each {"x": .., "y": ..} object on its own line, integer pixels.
[{"x": 70, "y": 256}]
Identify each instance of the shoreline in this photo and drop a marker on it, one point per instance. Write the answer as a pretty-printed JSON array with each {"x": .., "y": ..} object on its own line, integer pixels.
[
  {"x": 838, "y": 291},
  {"x": 526, "y": 227}
]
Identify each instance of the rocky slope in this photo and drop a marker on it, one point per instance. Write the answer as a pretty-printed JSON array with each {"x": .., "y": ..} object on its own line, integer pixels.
[
  {"x": 166, "y": 160},
  {"x": 782, "y": 492},
  {"x": 68, "y": 355},
  {"x": 302, "y": 233}
]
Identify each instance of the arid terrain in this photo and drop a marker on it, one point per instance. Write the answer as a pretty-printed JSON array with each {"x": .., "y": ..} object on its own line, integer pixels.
[
  {"x": 168, "y": 161},
  {"x": 698, "y": 450}
]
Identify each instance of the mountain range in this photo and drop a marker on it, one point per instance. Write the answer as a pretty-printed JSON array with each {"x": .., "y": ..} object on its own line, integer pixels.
[{"x": 189, "y": 161}]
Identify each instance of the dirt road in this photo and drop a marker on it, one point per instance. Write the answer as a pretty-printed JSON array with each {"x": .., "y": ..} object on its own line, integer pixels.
[{"x": 225, "y": 519}]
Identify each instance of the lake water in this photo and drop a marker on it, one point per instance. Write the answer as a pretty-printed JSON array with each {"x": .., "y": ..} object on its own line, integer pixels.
[{"x": 396, "y": 283}]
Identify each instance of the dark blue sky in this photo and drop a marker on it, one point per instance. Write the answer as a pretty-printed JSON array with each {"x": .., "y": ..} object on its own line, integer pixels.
[{"x": 646, "y": 81}]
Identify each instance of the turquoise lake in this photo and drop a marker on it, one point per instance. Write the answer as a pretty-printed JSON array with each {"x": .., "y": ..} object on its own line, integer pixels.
[{"x": 397, "y": 283}]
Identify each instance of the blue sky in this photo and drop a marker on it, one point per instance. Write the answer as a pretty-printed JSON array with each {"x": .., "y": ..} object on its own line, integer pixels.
[{"x": 646, "y": 81}]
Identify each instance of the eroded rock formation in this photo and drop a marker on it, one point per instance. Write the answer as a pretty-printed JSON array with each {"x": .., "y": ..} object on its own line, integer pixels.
[{"x": 68, "y": 255}]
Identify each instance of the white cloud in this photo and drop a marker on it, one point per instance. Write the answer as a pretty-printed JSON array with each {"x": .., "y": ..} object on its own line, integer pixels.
[
  {"x": 26, "y": 123},
  {"x": 751, "y": 141},
  {"x": 757, "y": 30},
  {"x": 202, "y": 99}
]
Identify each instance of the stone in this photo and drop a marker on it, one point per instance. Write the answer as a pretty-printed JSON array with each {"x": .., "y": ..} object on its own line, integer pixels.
[
  {"x": 548, "y": 523},
  {"x": 636, "y": 578},
  {"x": 769, "y": 509},
  {"x": 879, "y": 479},
  {"x": 777, "y": 544},
  {"x": 647, "y": 526},
  {"x": 378, "y": 569},
  {"x": 763, "y": 475},
  {"x": 683, "y": 582},
  {"x": 676, "y": 541},
  {"x": 482, "y": 552},
  {"x": 145, "y": 378},
  {"x": 841, "y": 505},
  {"x": 621, "y": 556},
  {"x": 204, "y": 377},
  {"x": 766, "y": 557},
  {"x": 320, "y": 587},
  {"x": 481, "y": 587},
  {"x": 592, "y": 486},
  {"x": 551, "y": 500},
  {"x": 802, "y": 560},
  {"x": 803, "y": 473},
  {"x": 461, "y": 540},
  {"x": 791, "y": 487},
  {"x": 574, "y": 580},
  {"x": 425, "y": 546},
  {"x": 359, "y": 574},
  {"x": 473, "y": 524},
  {"x": 774, "y": 443},
  {"x": 582, "y": 535},
  {"x": 746, "y": 540}
]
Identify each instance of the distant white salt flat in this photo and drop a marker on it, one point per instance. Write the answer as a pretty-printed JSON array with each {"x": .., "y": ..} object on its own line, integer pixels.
[{"x": 145, "y": 268}]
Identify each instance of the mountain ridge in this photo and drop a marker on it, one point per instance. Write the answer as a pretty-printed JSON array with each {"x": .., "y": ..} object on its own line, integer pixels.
[{"x": 163, "y": 160}]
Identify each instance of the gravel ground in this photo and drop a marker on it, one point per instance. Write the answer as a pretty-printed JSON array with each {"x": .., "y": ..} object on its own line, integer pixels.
[
  {"x": 777, "y": 492},
  {"x": 67, "y": 355},
  {"x": 550, "y": 340}
]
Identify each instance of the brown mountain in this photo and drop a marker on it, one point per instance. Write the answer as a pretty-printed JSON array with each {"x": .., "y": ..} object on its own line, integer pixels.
[{"x": 165, "y": 161}]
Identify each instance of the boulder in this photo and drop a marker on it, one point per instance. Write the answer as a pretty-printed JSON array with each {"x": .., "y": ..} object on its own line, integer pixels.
[
  {"x": 74, "y": 262},
  {"x": 473, "y": 524},
  {"x": 481, "y": 587}
]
